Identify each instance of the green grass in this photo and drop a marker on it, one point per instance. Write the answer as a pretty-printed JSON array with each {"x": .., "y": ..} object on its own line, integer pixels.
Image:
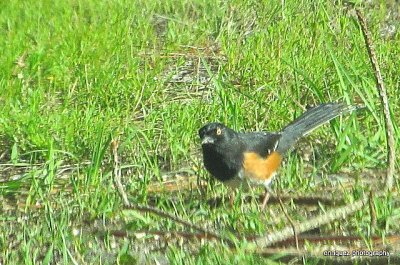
[{"x": 76, "y": 74}]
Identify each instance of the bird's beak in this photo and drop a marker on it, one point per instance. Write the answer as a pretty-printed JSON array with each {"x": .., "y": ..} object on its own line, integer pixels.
[{"x": 207, "y": 140}]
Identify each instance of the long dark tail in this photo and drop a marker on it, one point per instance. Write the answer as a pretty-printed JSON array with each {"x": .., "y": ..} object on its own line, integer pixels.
[{"x": 309, "y": 121}]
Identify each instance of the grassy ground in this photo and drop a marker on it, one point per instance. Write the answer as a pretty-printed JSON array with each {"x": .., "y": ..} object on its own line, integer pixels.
[{"x": 76, "y": 74}]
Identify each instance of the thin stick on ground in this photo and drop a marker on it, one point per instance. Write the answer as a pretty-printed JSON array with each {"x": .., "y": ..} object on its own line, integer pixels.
[
  {"x": 290, "y": 222},
  {"x": 117, "y": 173},
  {"x": 176, "y": 219},
  {"x": 336, "y": 239},
  {"x": 326, "y": 218},
  {"x": 384, "y": 100},
  {"x": 128, "y": 205}
]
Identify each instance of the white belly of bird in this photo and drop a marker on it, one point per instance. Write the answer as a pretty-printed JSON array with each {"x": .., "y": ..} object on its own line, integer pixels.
[{"x": 246, "y": 182}]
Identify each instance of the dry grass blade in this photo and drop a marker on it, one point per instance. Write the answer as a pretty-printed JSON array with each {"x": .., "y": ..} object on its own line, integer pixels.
[
  {"x": 384, "y": 100},
  {"x": 290, "y": 222}
]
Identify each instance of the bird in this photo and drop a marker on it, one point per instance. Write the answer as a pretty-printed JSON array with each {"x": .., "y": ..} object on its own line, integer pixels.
[{"x": 245, "y": 159}]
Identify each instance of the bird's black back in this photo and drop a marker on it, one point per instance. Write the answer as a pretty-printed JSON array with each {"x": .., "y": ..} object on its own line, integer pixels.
[{"x": 262, "y": 143}]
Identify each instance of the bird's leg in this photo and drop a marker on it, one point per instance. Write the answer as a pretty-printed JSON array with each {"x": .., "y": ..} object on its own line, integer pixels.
[
  {"x": 232, "y": 198},
  {"x": 267, "y": 194},
  {"x": 265, "y": 200}
]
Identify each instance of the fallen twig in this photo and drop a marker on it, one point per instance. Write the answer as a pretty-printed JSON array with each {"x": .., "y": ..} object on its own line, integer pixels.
[
  {"x": 117, "y": 174},
  {"x": 329, "y": 216},
  {"x": 177, "y": 219},
  {"x": 302, "y": 239},
  {"x": 128, "y": 205}
]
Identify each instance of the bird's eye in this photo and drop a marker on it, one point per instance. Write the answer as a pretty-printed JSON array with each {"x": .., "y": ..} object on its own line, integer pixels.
[{"x": 218, "y": 131}]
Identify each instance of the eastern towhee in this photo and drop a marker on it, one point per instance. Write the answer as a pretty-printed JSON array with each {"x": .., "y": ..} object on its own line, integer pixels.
[{"x": 239, "y": 159}]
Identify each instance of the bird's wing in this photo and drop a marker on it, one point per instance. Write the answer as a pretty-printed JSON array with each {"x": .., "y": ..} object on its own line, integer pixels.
[{"x": 262, "y": 143}]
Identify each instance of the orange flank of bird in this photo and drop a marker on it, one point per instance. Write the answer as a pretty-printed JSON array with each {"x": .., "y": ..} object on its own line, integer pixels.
[{"x": 259, "y": 168}]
